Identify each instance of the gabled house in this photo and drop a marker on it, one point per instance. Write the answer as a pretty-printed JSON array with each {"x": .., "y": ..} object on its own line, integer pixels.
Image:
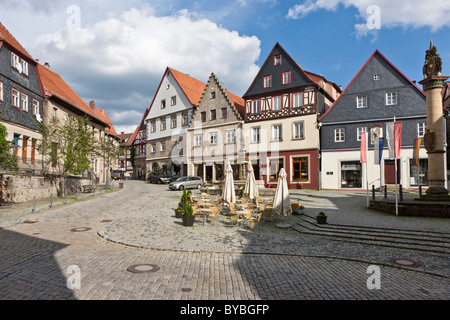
[
  {"x": 21, "y": 100},
  {"x": 378, "y": 93},
  {"x": 282, "y": 106},
  {"x": 60, "y": 102},
  {"x": 138, "y": 142},
  {"x": 167, "y": 121},
  {"x": 124, "y": 163},
  {"x": 216, "y": 134}
]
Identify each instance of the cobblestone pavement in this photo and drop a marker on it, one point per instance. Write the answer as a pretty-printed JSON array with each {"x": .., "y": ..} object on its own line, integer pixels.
[{"x": 106, "y": 234}]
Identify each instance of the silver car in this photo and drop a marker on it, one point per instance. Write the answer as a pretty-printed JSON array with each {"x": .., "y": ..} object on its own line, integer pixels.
[{"x": 186, "y": 183}]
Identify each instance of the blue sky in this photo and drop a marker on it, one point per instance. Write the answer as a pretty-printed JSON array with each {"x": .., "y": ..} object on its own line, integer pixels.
[{"x": 114, "y": 52}]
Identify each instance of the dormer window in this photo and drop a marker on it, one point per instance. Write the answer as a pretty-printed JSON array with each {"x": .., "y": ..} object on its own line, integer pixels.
[
  {"x": 19, "y": 64},
  {"x": 277, "y": 60},
  {"x": 212, "y": 95}
]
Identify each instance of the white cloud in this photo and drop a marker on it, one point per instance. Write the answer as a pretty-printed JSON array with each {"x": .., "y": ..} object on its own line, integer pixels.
[
  {"x": 123, "y": 56},
  {"x": 433, "y": 14}
]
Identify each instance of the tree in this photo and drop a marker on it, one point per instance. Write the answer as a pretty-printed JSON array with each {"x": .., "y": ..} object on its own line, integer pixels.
[
  {"x": 68, "y": 145},
  {"x": 7, "y": 158},
  {"x": 109, "y": 151}
]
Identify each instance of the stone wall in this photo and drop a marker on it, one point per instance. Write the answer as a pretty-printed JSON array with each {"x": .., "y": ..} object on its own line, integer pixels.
[{"x": 22, "y": 188}]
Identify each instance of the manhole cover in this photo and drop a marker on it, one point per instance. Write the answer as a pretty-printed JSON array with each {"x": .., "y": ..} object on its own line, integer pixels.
[
  {"x": 186, "y": 289},
  {"x": 143, "y": 268},
  {"x": 82, "y": 229},
  {"x": 405, "y": 262}
]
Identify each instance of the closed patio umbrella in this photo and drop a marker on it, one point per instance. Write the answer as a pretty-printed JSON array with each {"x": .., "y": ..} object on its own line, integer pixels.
[
  {"x": 282, "y": 202},
  {"x": 250, "y": 185},
  {"x": 228, "y": 194}
]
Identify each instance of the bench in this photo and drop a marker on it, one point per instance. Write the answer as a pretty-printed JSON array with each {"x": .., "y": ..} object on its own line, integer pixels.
[{"x": 88, "y": 188}]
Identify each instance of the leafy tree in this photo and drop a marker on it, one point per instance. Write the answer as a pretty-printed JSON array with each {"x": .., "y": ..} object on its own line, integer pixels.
[
  {"x": 109, "y": 150},
  {"x": 7, "y": 158}
]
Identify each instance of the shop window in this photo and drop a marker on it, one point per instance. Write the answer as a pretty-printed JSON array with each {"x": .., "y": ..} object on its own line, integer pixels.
[{"x": 351, "y": 174}]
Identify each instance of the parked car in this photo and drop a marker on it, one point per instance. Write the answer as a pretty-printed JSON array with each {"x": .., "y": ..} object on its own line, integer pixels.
[
  {"x": 117, "y": 175},
  {"x": 159, "y": 178},
  {"x": 186, "y": 183}
]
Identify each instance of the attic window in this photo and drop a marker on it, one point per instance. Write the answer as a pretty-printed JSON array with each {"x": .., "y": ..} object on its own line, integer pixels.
[
  {"x": 277, "y": 60},
  {"x": 212, "y": 95},
  {"x": 376, "y": 77}
]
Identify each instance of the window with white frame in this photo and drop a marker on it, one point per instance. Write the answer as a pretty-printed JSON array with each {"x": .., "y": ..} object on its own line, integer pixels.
[
  {"x": 173, "y": 101},
  {"x": 163, "y": 123},
  {"x": 391, "y": 98},
  {"x": 339, "y": 135},
  {"x": 35, "y": 107},
  {"x": 198, "y": 140},
  {"x": 360, "y": 130},
  {"x": 173, "y": 122},
  {"x": 185, "y": 119},
  {"x": 256, "y": 106},
  {"x": 286, "y": 77},
  {"x": 277, "y": 60},
  {"x": 1, "y": 91},
  {"x": 15, "y": 98},
  {"x": 231, "y": 138},
  {"x": 297, "y": 100},
  {"x": 15, "y": 61},
  {"x": 163, "y": 146},
  {"x": 277, "y": 132},
  {"x": 298, "y": 130},
  {"x": 361, "y": 101},
  {"x": 24, "y": 67},
  {"x": 421, "y": 128},
  {"x": 213, "y": 138},
  {"x": 153, "y": 126},
  {"x": 256, "y": 135},
  {"x": 24, "y": 102},
  {"x": 276, "y": 103},
  {"x": 153, "y": 147},
  {"x": 267, "y": 81}
]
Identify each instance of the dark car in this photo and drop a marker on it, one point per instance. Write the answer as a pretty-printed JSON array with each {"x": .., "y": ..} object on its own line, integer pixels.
[
  {"x": 117, "y": 175},
  {"x": 159, "y": 178}
]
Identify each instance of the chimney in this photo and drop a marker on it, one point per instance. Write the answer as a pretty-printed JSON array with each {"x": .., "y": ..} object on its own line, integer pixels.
[
  {"x": 122, "y": 132},
  {"x": 47, "y": 65},
  {"x": 92, "y": 104}
]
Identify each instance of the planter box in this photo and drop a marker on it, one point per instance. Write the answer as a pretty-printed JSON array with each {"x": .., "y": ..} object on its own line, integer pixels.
[
  {"x": 178, "y": 214},
  {"x": 188, "y": 221},
  {"x": 297, "y": 211},
  {"x": 321, "y": 220}
]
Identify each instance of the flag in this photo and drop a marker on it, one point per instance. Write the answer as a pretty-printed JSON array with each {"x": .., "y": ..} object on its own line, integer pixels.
[
  {"x": 416, "y": 150},
  {"x": 378, "y": 149},
  {"x": 363, "y": 157},
  {"x": 394, "y": 138}
]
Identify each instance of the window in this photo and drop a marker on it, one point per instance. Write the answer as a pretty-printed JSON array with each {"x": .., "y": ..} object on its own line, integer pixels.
[
  {"x": 267, "y": 81},
  {"x": 231, "y": 138},
  {"x": 276, "y": 103},
  {"x": 24, "y": 102},
  {"x": 275, "y": 165},
  {"x": 256, "y": 135},
  {"x": 300, "y": 171},
  {"x": 163, "y": 104},
  {"x": 1, "y": 91},
  {"x": 15, "y": 98},
  {"x": 185, "y": 119},
  {"x": 163, "y": 146},
  {"x": 24, "y": 67},
  {"x": 212, "y": 95},
  {"x": 24, "y": 149},
  {"x": 203, "y": 114},
  {"x": 276, "y": 132},
  {"x": 213, "y": 114},
  {"x": 15, "y": 61},
  {"x": 153, "y": 126},
  {"x": 298, "y": 132},
  {"x": 256, "y": 106},
  {"x": 376, "y": 77},
  {"x": 213, "y": 138},
  {"x": 297, "y": 100},
  {"x": 277, "y": 60},
  {"x": 421, "y": 128},
  {"x": 418, "y": 174},
  {"x": 55, "y": 110},
  {"x": 391, "y": 98},
  {"x": 361, "y": 101},
  {"x": 339, "y": 135},
  {"x": 35, "y": 107},
  {"x": 224, "y": 113},
  {"x": 198, "y": 140},
  {"x": 174, "y": 122},
  {"x": 360, "y": 130},
  {"x": 153, "y": 147},
  {"x": 286, "y": 77},
  {"x": 173, "y": 101},
  {"x": 163, "y": 124}
]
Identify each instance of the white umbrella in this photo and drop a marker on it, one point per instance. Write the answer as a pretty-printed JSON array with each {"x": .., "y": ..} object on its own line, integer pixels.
[
  {"x": 250, "y": 185},
  {"x": 282, "y": 202},
  {"x": 228, "y": 194}
]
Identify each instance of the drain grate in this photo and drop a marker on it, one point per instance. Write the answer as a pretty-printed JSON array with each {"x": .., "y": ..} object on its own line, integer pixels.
[
  {"x": 82, "y": 229},
  {"x": 186, "y": 289},
  {"x": 143, "y": 268},
  {"x": 405, "y": 262}
]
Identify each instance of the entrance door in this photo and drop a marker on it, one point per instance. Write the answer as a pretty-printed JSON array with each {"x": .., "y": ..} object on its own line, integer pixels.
[
  {"x": 389, "y": 171},
  {"x": 209, "y": 172}
]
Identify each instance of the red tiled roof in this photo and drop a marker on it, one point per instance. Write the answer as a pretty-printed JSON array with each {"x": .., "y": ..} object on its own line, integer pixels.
[
  {"x": 54, "y": 85},
  {"x": 102, "y": 114},
  {"x": 6, "y": 36},
  {"x": 138, "y": 128},
  {"x": 192, "y": 88},
  {"x": 237, "y": 101}
]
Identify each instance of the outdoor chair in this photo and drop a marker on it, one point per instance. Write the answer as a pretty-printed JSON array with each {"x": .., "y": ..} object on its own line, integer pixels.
[
  {"x": 214, "y": 215},
  {"x": 254, "y": 220},
  {"x": 267, "y": 214}
]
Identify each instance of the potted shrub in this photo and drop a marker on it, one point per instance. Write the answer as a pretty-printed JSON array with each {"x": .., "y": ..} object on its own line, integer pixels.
[
  {"x": 321, "y": 218},
  {"x": 184, "y": 200},
  {"x": 297, "y": 208},
  {"x": 179, "y": 212},
  {"x": 189, "y": 196},
  {"x": 188, "y": 216}
]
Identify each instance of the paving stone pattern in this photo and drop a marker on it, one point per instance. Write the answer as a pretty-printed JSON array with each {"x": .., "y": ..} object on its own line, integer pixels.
[{"x": 207, "y": 262}]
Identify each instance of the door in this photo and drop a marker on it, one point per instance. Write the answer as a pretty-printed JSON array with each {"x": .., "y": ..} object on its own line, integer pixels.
[{"x": 389, "y": 171}]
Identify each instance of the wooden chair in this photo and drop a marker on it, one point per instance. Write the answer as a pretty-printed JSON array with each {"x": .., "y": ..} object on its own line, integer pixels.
[
  {"x": 267, "y": 214},
  {"x": 214, "y": 215}
]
